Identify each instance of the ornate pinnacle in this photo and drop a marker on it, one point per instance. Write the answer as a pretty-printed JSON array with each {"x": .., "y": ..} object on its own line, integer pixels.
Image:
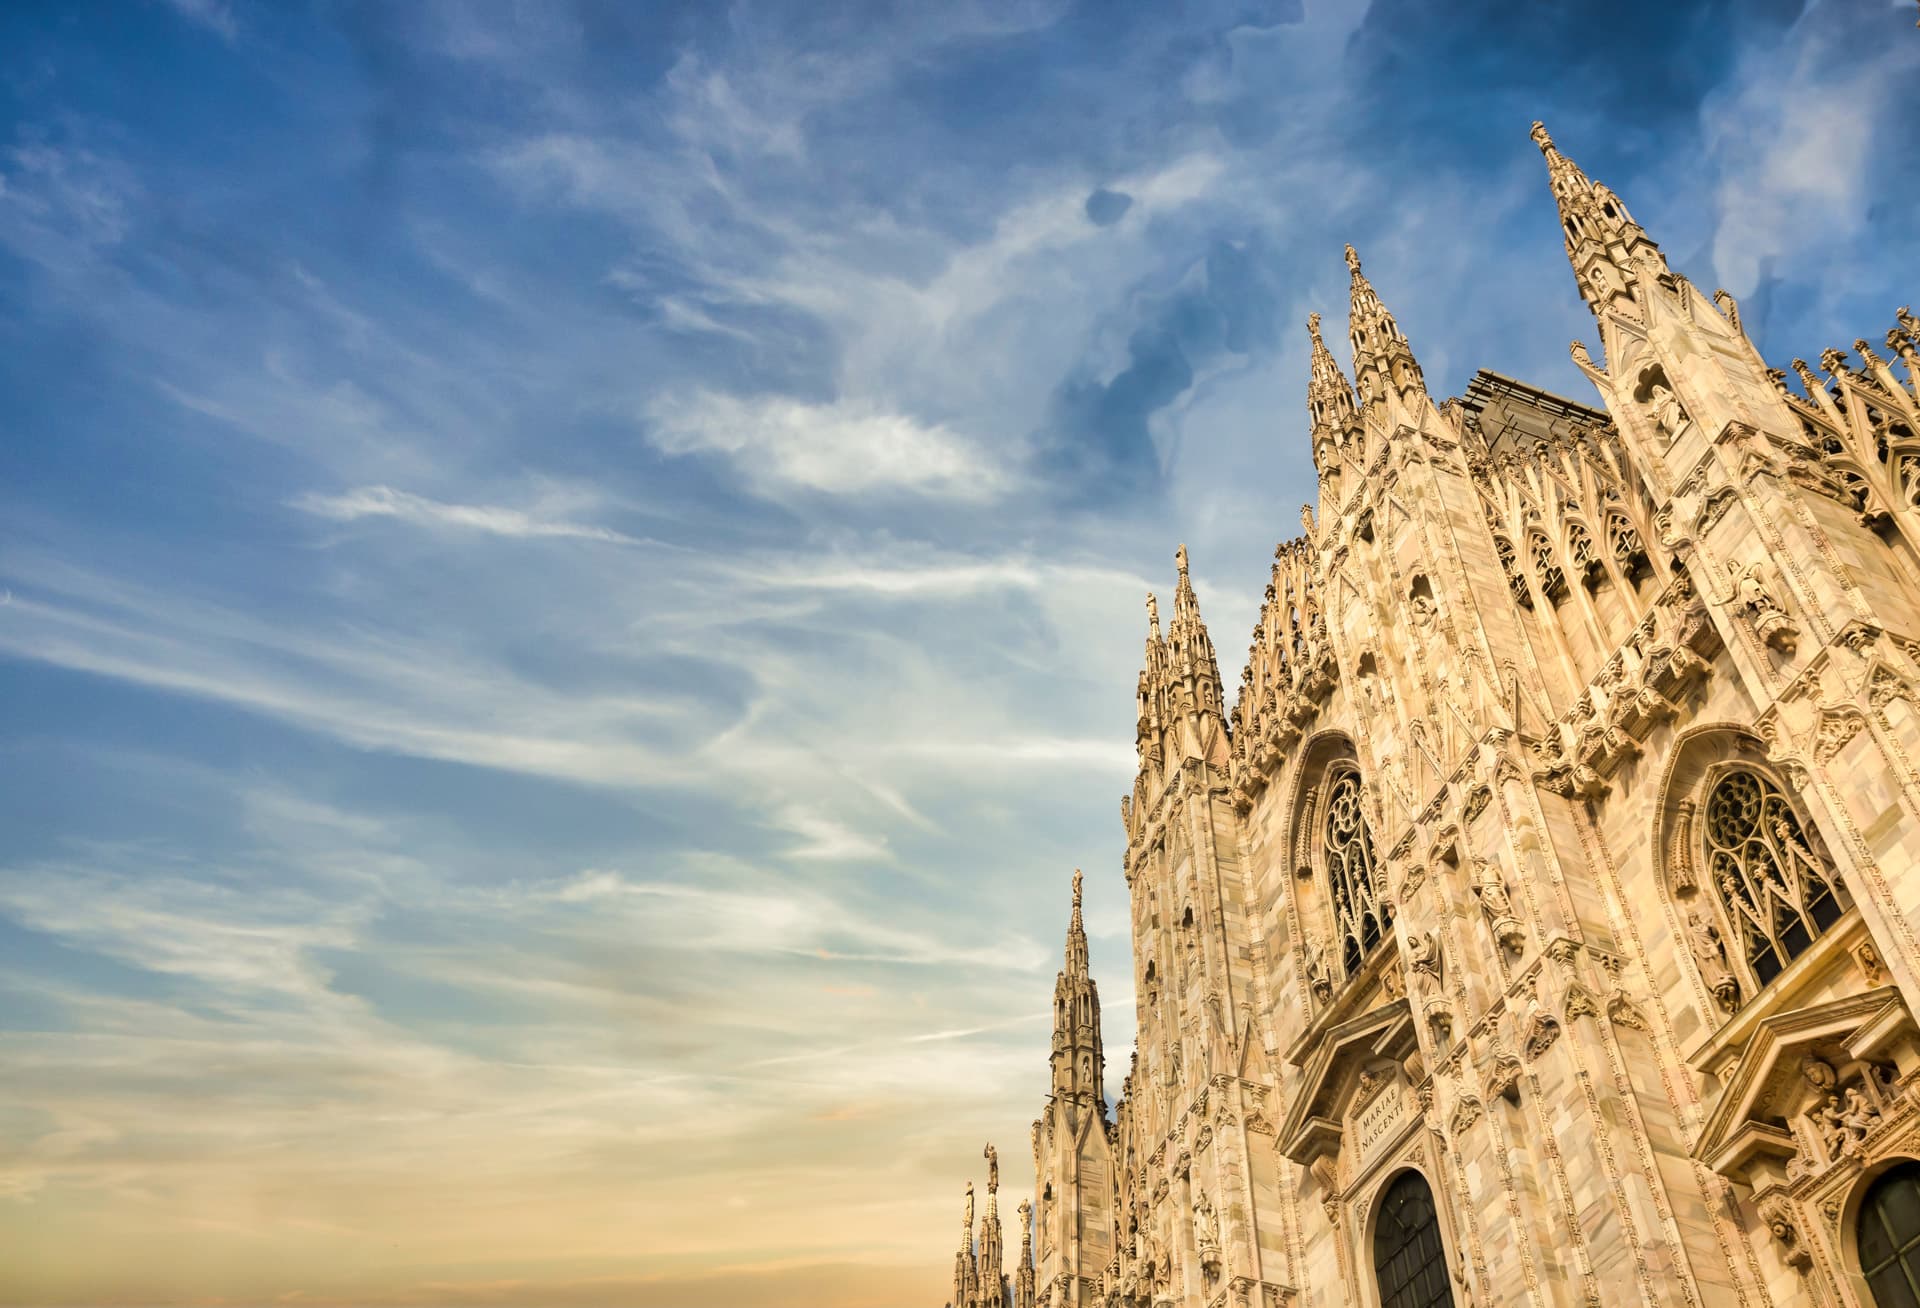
[
  {"x": 1180, "y": 559},
  {"x": 1353, "y": 262},
  {"x": 1540, "y": 137}
]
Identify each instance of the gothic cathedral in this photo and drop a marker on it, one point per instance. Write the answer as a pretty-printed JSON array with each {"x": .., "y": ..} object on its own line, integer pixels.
[{"x": 1542, "y": 924}]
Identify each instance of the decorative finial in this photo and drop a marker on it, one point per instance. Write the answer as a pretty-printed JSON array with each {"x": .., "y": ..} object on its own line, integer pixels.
[
  {"x": 1313, "y": 327},
  {"x": 1353, "y": 260},
  {"x": 1076, "y": 900},
  {"x": 993, "y": 1170},
  {"x": 1180, "y": 559},
  {"x": 1540, "y": 137},
  {"x": 1153, "y": 613}
]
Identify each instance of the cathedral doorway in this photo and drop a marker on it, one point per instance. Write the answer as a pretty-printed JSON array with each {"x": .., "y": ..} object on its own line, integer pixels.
[
  {"x": 1409, "y": 1263},
  {"x": 1889, "y": 1238}
]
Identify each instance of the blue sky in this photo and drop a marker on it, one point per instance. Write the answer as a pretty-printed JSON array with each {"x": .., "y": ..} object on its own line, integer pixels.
[{"x": 571, "y": 574}]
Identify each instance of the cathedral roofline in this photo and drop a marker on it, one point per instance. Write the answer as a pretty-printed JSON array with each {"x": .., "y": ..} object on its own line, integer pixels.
[{"x": 1487, "y": 384}]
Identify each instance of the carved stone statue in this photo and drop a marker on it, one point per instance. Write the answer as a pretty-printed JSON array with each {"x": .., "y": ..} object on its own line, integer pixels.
[
  {"x": 1754, "y": 594},
  {"x": 1491, "y": 891},
  {"x": 1319, "y": 977},
  {"x": 1206, "y": 1230},
  {"x": 1829, "y": 1120},
  {"x": 1423, "y": 954},
  {"x": 1711, "y": 952},
  {"x": 993, "y": 1169},
  {"x": 1858, "y": 1116},
  {"x": 1668, "y": 415}
]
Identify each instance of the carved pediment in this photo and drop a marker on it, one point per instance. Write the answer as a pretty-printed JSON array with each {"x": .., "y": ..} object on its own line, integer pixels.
[
  {"x": 1791, "y": 1064},
  {"x": 1349, "y": 1064}
]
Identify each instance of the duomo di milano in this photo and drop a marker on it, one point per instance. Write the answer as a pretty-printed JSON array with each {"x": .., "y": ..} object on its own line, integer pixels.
[{"x": 1542, "y": 924}]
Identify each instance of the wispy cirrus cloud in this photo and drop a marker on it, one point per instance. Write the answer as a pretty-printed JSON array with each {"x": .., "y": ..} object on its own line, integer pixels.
[
  {"x": 847, "y": 447},
  {"x": 385, "y": 502}
]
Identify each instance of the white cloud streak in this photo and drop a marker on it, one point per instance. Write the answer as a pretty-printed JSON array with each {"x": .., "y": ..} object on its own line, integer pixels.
[
  {"x": 386, "y": 502},
  {"x": 844, "y": 448}
]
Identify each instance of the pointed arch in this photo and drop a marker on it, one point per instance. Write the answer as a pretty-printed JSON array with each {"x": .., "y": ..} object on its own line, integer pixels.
[
  {"x": 1628, "y": 550},
  {"x": 1360, "y": 917},
  {"x": 1749, "y": 877},
  {"x": 1546, "y": 566}
]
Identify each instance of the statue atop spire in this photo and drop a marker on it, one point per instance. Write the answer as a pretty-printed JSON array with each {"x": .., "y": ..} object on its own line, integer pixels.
[
  {"x": 1078, "y": 1061},
  {"x": 993, "y": 1158},
  {"x": 1330, "y": 403},
  {"x": 1383, "y": 362},
  {"x": 1606, "y": 247},
  {"x": 1076, "y": 957}
]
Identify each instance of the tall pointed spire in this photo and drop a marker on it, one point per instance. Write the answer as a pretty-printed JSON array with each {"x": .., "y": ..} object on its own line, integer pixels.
[
  {"x": 1193, "y": 665},
  {"x": 1383, "y": 362},
  {"x": 1023, "y": 1288},
  {"x": 965, "y": 1276},
  {"x": 1330, "y": 406},
  {"x": 1079, "y": 1062},
  {"x": 1606, "y": 247},
  {"x": 992, "y": 1271},
  {"x": 1076, "y": 934}
]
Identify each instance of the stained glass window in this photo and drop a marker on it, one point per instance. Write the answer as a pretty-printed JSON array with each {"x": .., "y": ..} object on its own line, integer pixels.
[{"x": 1777, "y": 892}]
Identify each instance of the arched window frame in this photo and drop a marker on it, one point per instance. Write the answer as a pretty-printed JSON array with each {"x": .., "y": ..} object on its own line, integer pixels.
[
  {"x": 1723, "y": 926},
  {"x": 1584, "y": 556},
  {"x": 1352, "y": 867},
  {"x": 1432, "y": 1285},
  {"x": 1510, "y": 564},
  {"x": 1627, "y": 547},
  {"x": 1856, "y": 1254},
  {"x": 1547, "y": 571}
]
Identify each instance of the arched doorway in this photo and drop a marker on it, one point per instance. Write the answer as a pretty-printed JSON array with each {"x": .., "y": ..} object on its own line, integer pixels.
[
  {"x": 1409, "y": 1262},
  {"x": 1889, "y": 1237}
]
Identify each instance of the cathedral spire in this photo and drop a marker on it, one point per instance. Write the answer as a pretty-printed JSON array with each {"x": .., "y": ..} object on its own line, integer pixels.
[
  {"x": 1076, "y": 934},
  {"x": 1330, "y": 406},
  {"x": 1079, "y": 1063},
  {"x": 1606, "y": 247},
  {"x": 965, "y": 1276},
  {"x": 1194, "y": 670},
  {"x": 991, "y": 1274},
  {"x": 1023, "y": 1288},
  {"x": 1383, "y": 362}
]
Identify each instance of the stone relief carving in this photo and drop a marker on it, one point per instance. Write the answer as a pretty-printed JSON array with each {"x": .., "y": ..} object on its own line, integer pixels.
[
  {"x": 1538, "y": 1029},
  {"x": 1423, "y": 954},
  {"x": 1668, "y": 414},
  {"x": 1776, "y": 1210},
  {"x": 1755, "y": 594},
  {"x": 1710, "y": 951},
  {"x": 1491, "y": 892}
]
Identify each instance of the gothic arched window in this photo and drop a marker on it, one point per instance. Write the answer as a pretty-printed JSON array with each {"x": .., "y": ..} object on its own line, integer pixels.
[
  {"x": 1581, "y": 554},
  {"x": 1778, "y": 894},
  {"x": 1509, "y": 564},
  {"x": 1352, "y": 877},
  {"x": 1546, "y": 566},
  {"x": 1623, "y": 542},
  {"x": 1889, "y": 1238},
  {"x": 1409, "y": 1262}
]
